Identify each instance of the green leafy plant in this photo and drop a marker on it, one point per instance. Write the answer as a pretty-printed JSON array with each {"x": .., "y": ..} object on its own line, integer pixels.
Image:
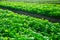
[
  {"x": 51, "y": 10},
  {"x": 20, "y": 27}
]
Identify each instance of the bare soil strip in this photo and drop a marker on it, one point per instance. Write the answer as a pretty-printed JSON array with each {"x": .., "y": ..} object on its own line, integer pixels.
[{"x": 51, "y": 19}]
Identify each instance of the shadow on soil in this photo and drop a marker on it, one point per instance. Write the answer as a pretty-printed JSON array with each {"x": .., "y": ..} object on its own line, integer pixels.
[{"x": 51, "y": 19}]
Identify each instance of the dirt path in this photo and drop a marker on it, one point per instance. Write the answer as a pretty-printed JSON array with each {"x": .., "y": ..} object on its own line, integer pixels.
[{"x": 51, "y": 19}]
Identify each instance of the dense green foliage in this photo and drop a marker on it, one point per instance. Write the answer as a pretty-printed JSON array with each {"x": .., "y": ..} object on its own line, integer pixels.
[
  {"x": 35, "y": 1},
  {"x": 20, "y": 27},
  {"x": 52, "y": 10}
]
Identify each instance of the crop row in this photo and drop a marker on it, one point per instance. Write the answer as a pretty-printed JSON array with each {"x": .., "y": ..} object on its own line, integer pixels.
[
  {"x": 52, "y": 10},
  {"x": 20, "y": 27}
]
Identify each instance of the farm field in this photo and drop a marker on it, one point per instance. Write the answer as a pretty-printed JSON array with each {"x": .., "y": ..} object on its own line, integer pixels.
[
  {"x": 26, "y": 28},
  {"x": 17, "y": 26},
  {"x": 51, "y": 10}
]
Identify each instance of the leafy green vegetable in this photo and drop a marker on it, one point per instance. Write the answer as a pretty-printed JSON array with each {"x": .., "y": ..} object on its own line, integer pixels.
[
  {"x": 20, "y": 27},
  {"x": 52, "y": 10}
]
